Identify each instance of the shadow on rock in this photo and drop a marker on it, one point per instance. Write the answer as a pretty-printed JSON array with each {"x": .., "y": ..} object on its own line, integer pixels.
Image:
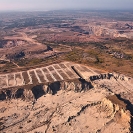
[
  {"x": 128, "y": 107},
  {"x": 55, "y": 87},
  {"x": 38, "y": 91}
]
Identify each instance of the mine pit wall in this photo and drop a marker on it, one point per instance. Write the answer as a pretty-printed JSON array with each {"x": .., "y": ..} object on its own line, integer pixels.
[{"x": 33, "y": 92}]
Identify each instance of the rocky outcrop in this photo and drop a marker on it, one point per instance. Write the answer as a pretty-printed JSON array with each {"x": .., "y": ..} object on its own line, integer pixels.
[
  {"x": 32, "y": 93},
  {"x": 121, "y": 77},
  {"x": 116, "y": 76},
  {"x": 101, "y": 76},
  {"x": 116, "y": 110}
]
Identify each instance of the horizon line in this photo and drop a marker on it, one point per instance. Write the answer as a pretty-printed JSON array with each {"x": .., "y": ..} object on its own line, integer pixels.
[{"x": 66, "y": 10}]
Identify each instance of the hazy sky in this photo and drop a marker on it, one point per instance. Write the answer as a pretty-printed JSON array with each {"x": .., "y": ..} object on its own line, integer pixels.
[{"x": 6, "y": 5}]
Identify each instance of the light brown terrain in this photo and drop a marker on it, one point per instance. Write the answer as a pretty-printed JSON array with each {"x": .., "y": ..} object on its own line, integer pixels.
[
  {"x": 59, "y": 101},
  {"x": 66, "y": 72}
]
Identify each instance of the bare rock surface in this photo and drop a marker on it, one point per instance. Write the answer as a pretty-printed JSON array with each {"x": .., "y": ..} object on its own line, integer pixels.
[
  {"x": 92, "y": 102},
  {"x": 67, "y": 111}
]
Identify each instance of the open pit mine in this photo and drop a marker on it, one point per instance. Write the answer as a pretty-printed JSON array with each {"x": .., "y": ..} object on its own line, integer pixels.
[{"x": 65, "y": 98}]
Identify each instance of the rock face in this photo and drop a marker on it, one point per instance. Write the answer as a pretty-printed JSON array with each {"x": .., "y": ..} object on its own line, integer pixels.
[
  {"x": 84, "y": 101},
  {"x": 36, "y": 92},
  {"x": 56, "y": 107},
  {"x": 116, "y": 109}
]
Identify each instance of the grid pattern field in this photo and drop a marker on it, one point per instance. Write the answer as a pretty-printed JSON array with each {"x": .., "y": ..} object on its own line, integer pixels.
[{"x": 48, "y": 74}]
